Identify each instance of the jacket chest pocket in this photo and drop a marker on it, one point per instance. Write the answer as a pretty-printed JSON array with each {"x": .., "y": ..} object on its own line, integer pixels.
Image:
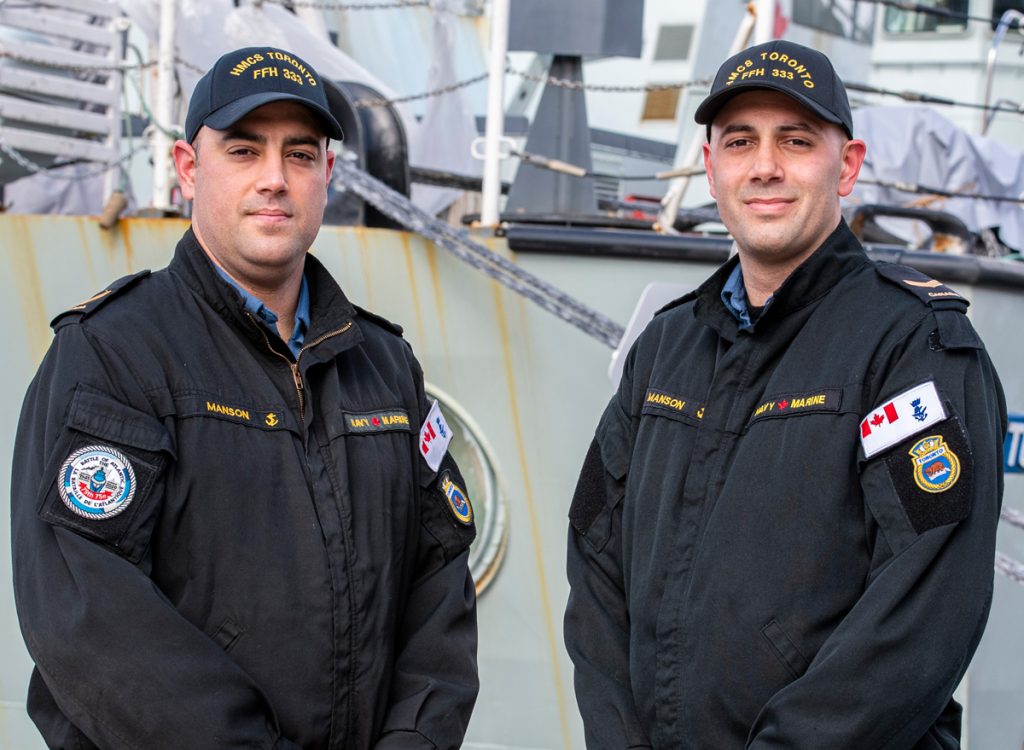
[
  {"x": 373, "y": 453},
  {"x": 669, "y": 423}
]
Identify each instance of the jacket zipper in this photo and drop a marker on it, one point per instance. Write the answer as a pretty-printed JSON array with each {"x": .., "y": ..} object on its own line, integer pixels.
[{"x": 294, "y": 366}]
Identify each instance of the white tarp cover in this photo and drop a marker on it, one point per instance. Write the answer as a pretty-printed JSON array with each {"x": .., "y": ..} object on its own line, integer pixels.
[
  {"x": 206, "y": 29},
  {"x": 918, "y": 145}
]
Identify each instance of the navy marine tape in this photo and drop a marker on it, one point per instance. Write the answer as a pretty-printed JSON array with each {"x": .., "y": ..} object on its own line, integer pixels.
[{"x": 794, "y": 404}]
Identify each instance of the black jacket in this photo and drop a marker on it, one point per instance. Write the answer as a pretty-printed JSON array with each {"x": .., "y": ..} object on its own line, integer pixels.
[
  {"x": 288, "y": 571},
  {"x": 742, "y": 574}
]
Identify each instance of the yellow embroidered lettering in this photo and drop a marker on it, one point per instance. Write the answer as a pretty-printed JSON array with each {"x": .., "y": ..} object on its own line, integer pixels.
[
  {"x": 227, "y": 411},
  {"x": 246, "y": 63}
]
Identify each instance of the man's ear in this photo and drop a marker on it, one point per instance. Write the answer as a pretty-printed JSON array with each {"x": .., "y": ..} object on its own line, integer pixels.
[
  {"x": 707, "y": 169},
  {"x": 185, "y": 162},
  {"x": 852, "y": 157},
  {"x": 331, "y": 156}
]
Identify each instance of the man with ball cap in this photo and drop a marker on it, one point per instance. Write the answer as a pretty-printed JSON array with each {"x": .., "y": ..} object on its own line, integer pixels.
[
  {"x": 783, "y": 533},
  {"x": 229, "y": 526}
]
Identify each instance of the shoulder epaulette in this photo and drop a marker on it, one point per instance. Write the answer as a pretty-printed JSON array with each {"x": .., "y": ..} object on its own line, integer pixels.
[
  {"x": 382, "y": 322},
  {"x": 678, "y": 301},
  {"x": 925, "y": 288},
  {"x": 95, "y": 302}
]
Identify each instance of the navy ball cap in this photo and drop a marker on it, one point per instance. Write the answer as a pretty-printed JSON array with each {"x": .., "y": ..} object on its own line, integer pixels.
[
  {"x": 248, "y": 78},
  {"x": 797, "y": 71}
]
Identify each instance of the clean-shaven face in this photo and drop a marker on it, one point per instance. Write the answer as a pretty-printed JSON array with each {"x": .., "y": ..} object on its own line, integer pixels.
[
  {"x": 259, "y": 189},
  {"x": 777, "y": 171}
]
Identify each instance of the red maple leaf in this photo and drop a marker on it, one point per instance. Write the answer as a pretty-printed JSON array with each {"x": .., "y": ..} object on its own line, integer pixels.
[
  {"x": 783, "y": 404},
  {"x": 877, "y": 420},
  {"x": 376, "y": 422}
]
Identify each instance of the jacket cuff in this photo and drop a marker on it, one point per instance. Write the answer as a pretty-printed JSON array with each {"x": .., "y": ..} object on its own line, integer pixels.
[{"x": 403, "y": 740}]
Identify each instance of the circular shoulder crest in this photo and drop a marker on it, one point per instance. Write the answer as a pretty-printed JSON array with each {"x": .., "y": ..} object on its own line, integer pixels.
[
  {"x": 458, "y": 501},
  {"x": 96, "y": 482},
  {"x": 936, "y": 466}
]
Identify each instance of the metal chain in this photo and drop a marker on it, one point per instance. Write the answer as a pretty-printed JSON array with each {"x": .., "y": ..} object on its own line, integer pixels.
[
  {"x": 458, "y": 242},
  {"x": 35, "y": 168},
  {"x": 565, "y": 83},
  {"x": 1009, "y": 568},
  {"x": 922, "y": 98},
  {"x": 1012, "y": 517},
  {"x": 75, "y": 67},
  {"x": 931, "y": 10},
  {"x": 327, "y": 5},
  {"x": 190, "y": 65},
  {"x": 1007, "y": 565},
  {"x": 907, "y": 187},
  {"x": 366, "y": 103}
]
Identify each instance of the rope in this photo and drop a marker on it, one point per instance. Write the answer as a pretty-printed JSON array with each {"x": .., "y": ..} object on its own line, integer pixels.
[{"x": 458, "y": 242}]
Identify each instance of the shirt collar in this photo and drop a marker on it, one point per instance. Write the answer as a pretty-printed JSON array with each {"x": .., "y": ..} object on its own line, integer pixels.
[
  {"x": 268, "y": 317},
  {"x": 734, "y": 297}
]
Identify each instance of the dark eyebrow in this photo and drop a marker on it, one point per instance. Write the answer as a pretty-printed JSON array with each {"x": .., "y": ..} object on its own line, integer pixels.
[
  {"x": 801, "y": 127},
  {"x": 237, "y": 134},
  {"x": 796, "y": 127}
]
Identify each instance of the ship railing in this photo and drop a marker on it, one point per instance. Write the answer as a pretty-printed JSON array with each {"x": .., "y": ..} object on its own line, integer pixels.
[{"x": 61, "y": 82}]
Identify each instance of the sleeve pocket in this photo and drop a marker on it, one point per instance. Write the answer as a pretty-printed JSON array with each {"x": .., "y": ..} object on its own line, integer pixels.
[
  {"x": 100, "y": 481},
  {"x": 448, "y": 512}
]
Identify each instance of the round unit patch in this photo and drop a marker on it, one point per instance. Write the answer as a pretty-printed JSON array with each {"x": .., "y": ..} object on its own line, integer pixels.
[
  {"x": 96, "y": 482},
  {"x": 457, "y": 499},
  {"x": 936, "y": 467}
]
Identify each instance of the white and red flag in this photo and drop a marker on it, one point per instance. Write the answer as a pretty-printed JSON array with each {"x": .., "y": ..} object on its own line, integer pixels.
[
  {"x": 905, "y": 415},
  {"x": 435, "y": 434}
]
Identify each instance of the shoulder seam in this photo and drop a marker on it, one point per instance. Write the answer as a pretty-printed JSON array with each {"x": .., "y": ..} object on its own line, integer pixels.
[{"x": 83, "y": 309}]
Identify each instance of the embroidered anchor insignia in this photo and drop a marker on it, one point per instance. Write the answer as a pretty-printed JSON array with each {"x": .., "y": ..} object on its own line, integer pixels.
[{"x": 920, "y": 412}]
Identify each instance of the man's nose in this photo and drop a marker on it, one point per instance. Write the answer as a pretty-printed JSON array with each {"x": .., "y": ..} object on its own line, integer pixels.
[
  {"x": 272, "y": 174},
  {"x": 766, "y": 166}
]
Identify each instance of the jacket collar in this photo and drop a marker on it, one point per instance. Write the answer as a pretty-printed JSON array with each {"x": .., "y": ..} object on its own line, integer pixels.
[
  {"x": 330, "y": 311},
  {"x": 837, "y": 257}
]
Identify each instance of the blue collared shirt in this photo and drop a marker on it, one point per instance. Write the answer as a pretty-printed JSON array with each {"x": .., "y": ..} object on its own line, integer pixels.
[
  {"x": 734, "y": 297},
  {"x": 268, "y": 317}
]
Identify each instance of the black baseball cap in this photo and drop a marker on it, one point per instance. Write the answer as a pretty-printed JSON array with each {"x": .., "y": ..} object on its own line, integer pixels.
[
  {"x": 797, "y": 71},
  {"x": 248, "y": 78}
]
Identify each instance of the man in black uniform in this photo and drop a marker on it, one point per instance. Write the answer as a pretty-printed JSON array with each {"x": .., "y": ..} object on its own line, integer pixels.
[
  {"x": 229, "y": 527},
  {"x": 783, "y": 532}
]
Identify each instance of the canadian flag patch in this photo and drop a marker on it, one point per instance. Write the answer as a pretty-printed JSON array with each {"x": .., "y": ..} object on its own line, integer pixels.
[
  {"x": 905, "y": 415},
  {"x": 435, "y": 434}
]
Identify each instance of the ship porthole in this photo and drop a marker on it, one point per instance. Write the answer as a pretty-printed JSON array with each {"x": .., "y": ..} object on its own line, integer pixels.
[{"x": 475, "y": 458}]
